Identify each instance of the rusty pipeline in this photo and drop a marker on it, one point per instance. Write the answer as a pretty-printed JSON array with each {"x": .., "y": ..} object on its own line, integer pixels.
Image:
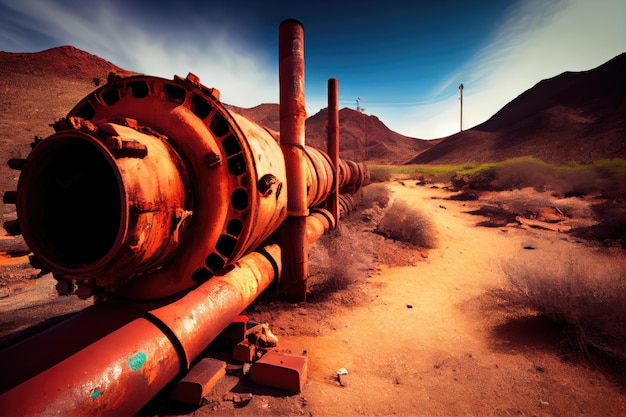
[
  {"x": 153, "y": 196},
  {"x": 150, "y": 186},
  {"x": 332, "y": 142},
  {"x": 113, "y": 357}
]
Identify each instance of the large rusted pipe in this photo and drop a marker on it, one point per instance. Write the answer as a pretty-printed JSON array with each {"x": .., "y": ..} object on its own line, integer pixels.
[
  {"x": 94, "y": 202},
  {"x": 115, "y": 356},
  {"x": 153, "y": 203},
  {"x": 148, "y": 188},
  {"x": 333, "y": 143},
  {"x": 293, "y": 284}
]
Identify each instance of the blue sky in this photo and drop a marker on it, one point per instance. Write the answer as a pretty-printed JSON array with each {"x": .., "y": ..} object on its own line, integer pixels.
[{"x": 404, "y": 60}]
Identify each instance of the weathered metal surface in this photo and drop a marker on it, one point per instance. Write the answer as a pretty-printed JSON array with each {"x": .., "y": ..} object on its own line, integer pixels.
[
  {"x": 333, "y": 144},
  {"x": 293, "y": 283},
  {"x": 151, "y": 192},
  {"x": 280, "y": 370},
  {"x": 172, "y": 193},
  {"x": 199, "y": 381},
  {"x": 91, "y": 207},
  {"x": 111, "y": 358}
]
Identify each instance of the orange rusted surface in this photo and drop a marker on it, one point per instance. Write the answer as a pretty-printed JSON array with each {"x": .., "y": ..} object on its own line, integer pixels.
[
  {"x": 113, "y": 357},
  {"x": 333, "y": 143},
  {"x": 151, "y": 192},
  {"x": 293, "y": 284},
  {"x": 101, "y": 202},
  {"x": 165, "y": 201}
]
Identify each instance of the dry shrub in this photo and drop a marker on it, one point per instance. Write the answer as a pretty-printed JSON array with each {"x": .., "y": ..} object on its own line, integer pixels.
[
  {"x": 604, "y": 177},
  {"x": 407, "y": 224},
  {"x": 583, "y": 291},
  {"x": 518, "y": 201},
  {"x": 380, "y": 174},
  {"x": 375, "y": 196},
  {"x": 566, "y": 182}
]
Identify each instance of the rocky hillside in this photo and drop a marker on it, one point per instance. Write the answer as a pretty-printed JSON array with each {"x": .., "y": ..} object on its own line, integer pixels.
[
  {"x": 362, "y": 137},
  {"x": 573, "y": 117}
]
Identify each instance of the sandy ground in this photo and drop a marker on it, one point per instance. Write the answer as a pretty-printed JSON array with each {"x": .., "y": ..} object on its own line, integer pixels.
[
  {"x": 433, "y": 339},
  {"x": 429, "y": 334}
]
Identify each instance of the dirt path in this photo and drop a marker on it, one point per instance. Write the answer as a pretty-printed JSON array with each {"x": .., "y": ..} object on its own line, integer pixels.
[{"x": 435, "y": 339}]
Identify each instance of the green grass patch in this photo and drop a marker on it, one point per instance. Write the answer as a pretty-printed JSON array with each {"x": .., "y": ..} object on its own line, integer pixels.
[{"x": 515, "y": 173}]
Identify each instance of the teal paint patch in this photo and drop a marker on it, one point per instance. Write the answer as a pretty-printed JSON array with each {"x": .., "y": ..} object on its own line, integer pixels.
[
  {"x": 95, "y": 393},
  {"x": 137, "y": 360}
]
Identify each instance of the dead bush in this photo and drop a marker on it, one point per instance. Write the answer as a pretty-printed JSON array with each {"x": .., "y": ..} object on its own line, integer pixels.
[
  {"x": 564, "y": 182},
  {"x": 407, "y": 224},
  {"x": 521, "y": 200},
  {"x": 585, "y": 292},
  {"x": 380, "y": 174}
]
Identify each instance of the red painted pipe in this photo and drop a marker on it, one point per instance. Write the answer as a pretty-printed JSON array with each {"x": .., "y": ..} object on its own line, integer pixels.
[
  {"x": 220, "y": 196},
  {"x": 293, "y": 283},
  {"x": 333, "y": 143},
  {"x": 115, "y": 356}
]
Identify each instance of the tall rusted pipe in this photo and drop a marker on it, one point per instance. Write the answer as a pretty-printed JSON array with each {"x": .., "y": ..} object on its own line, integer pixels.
[
  {"x": 115, "y": 356},
  {"x": 333, "y": 144},
  {"x": 293, "y": 284}
]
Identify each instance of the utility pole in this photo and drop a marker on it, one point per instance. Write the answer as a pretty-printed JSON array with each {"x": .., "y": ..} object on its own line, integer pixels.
[{"x": 461, "y": 98}]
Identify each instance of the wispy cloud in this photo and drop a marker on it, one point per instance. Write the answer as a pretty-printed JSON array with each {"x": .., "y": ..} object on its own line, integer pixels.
[
  {"x": 244, "y": 75},
  {"x": 537, "y": 40}
]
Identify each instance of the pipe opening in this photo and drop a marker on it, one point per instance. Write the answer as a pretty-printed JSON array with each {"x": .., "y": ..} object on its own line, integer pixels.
[
  {"x": 214, "y": 262},
  {"x": 110, "y": 96},
  {"x": 239, "y": 199},
  {"x": 73, "y": 202},
  {"x": 174, "y": 93},
  {"x": 226, "y": 245},
  {"x": 234, "y": 227},
  {"x": 86, "y": 112},
  {"x": 237, "y": 164},
  {"x": 139, "y": 89},
  {"x": 219, "y": 126},
  {"x": 201, "y": 274},
  {"x": 231, "y": 145},
  {"x": 200, "y": 107}
]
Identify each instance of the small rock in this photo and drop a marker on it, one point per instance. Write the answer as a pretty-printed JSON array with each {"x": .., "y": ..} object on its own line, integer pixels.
[
  {"x": 343, "y": 380},
  {"x": 246, "y": 368}
]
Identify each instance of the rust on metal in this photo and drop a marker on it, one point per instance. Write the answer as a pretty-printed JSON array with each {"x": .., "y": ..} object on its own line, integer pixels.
[
  {"x": 293, "y": 283},
  {"x": 333, "y": 143},
  {"x": 156, "y": 199}
]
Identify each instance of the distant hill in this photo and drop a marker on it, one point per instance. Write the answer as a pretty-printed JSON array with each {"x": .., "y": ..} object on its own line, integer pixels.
[
  {"x": 61, "y": 62},
  {"x": 41, "y": 87},
  {"x": 267, "y": 115},
  {"x": 361, "y": 137},
  {"x": 573, "y": 117},
  {"x": 37, "y": 89},
  {"x": 364, "y": 137}
]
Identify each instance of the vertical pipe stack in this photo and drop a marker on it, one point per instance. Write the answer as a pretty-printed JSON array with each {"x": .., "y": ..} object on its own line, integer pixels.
[
  {"x": 166, "y": 294},
  {"x": 333, "y": 145},
  {"x": 293, "y": 284}
]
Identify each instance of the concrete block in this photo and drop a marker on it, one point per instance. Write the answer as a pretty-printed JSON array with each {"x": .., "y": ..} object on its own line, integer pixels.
[
  {"x": 199, "y": 381},
  {"x": 235, "y": 332},
  {"x": 280, "y": 370},
  {"x": 244, "y": 352}
]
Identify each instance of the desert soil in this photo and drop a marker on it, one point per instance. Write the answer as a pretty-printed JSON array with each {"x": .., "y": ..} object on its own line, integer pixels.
[{"x": 420, "y": 332}]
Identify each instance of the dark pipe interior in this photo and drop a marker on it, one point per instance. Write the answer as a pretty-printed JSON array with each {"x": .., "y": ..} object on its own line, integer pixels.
[{"x": 73, "y": 202}]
